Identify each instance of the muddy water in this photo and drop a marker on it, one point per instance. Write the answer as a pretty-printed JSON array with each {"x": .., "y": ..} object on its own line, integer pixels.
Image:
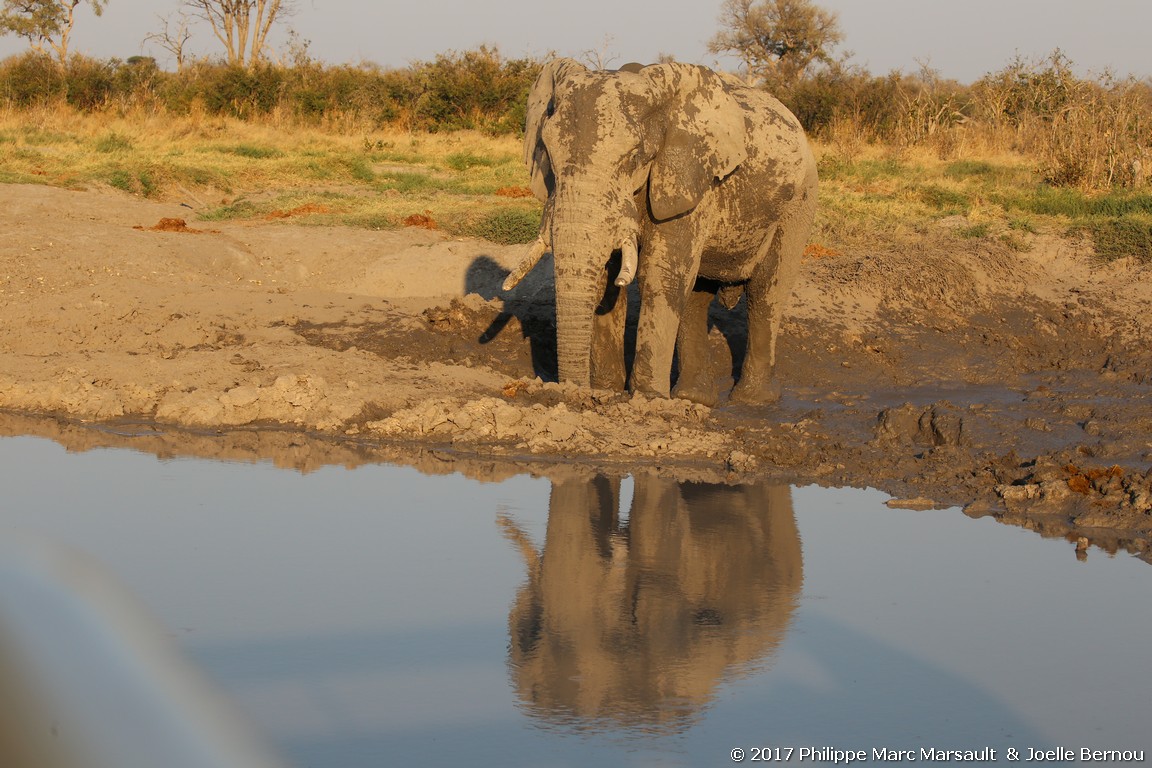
[{"x": 377, "y": 616}]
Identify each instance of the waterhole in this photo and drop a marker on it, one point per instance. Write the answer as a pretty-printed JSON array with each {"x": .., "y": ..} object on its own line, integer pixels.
[{"x": 378, "y": 616}]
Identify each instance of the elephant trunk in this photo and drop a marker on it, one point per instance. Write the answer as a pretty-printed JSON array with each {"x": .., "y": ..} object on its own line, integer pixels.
[
  {"x": 574, "y": 334},
  {"x": 583, "y": 238}
]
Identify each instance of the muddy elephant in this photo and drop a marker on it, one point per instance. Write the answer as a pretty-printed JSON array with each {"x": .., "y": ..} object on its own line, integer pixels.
[
  {"x": 636, "y": 621},
  {"x": 666, "y": 174}
]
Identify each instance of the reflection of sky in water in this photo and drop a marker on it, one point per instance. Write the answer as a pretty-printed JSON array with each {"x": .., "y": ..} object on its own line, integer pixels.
[{"x": 362, "y": 616}]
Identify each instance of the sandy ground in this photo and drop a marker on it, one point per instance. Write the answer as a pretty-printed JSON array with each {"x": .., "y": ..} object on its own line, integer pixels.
[{"x": 1015, "y": 384}]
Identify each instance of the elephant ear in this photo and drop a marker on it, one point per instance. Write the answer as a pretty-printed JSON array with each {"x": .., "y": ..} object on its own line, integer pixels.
[
  {"x": 540, "y": 107},
  {"x": 705, "y": 136}
]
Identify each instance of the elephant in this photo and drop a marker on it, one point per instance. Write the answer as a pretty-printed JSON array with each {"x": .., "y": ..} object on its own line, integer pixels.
[
  {"x": 684, "y": 180},
  {"x": 635, "y": 621}
]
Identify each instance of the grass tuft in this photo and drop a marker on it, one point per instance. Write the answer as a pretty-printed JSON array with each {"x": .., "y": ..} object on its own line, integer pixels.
[
  {"x": 462, "y": 161},
  {"x": 509, "y": 226},
  {"x": 947, "y": 201},
  {"x": 252, "y": 151},
  {"x": 113, "y": 142}
]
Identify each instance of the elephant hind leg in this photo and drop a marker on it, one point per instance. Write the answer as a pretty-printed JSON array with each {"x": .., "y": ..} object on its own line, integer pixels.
[
  {"x": 697, "y": 380},
  {"x": 767, "y": 293}
]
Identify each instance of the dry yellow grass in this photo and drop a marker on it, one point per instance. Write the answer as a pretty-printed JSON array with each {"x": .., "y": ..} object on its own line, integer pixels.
[
  {"x": 228, "y": 168},
  {"x": 872, "y": 196}
]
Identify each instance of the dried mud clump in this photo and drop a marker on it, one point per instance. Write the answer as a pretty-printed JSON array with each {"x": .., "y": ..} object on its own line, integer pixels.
[
  {"x": 170, "y": 224},
  {"x": 514, "y": 192},
  {"x": 454, "y": 317},
  {"x": 421, "y": 220},
  {"x": 935, "y": 425},
  {"x": 818, "y": 251}
]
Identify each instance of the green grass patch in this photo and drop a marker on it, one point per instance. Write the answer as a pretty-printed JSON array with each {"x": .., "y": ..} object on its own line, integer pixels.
[
  {"x": 1121, "y": 204},
  {"x": 975, "y": 231},
  {"x": 832, "y": 167},
  {"x": 1046, "y": 200},
  {"x": 462, "y": 161},
  {"x": 949, "y": 201},
  {"x": 1115, "y": 238},
  {"x": 508, "y": 226},
  {"x": 1021, "y": 224},
  {"x": 137, "y": 181},
  {"x": 874, "y": 169},
  {"x": 200, "y": 176},
  {"x": 238, "y": 209},
  {"x": 358, "y": 168},
  {"x": 251, "y": 151},
  {"x": 966, "y": 169},
  {"x": 334, "y": 167},
  {"x": 45, "y": 138},
  {"x": 113, "y": 142},
  {"x": 408, "y": 182}
]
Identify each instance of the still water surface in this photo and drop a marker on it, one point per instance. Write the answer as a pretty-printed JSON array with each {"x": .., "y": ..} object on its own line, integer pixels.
[{"x": 377, "y": 616}]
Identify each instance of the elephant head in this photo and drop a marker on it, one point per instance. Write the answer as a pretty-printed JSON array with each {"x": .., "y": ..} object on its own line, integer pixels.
[{"x": 608, "y": 151}]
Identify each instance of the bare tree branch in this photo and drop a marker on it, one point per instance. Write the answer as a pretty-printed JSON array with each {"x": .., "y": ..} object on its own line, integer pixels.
[{"x": 173, "y": 36}]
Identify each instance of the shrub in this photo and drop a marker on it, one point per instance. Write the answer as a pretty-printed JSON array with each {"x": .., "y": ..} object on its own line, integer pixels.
[
  {"x": 32, "y": 79},
  {"x": 1089, "y": 134},
  {"x": 475, "y": 89}
]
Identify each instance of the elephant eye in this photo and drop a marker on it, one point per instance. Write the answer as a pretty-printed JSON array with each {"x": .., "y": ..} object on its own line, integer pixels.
[{"x": 548, "y": 134}]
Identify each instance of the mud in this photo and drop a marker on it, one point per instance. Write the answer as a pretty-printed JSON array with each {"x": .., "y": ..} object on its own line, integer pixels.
[{"x": 955, "y": 373}]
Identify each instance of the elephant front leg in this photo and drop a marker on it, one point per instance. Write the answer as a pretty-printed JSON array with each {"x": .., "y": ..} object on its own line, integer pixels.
[
  {"x": 664, "y": 288},
  {"x": 697, "y": 381},
  {"x": 607, "y": 353}
]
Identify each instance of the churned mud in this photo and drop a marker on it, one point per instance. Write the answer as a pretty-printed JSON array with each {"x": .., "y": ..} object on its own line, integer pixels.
[{"x": 1013, "y": 384}]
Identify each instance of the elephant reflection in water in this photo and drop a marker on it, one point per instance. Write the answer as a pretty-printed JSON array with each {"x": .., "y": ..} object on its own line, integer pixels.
[{"x": 635, "y": 623}]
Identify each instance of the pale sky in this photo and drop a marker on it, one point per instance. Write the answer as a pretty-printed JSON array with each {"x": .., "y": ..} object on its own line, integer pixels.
[{"x": 962, "y": 39}]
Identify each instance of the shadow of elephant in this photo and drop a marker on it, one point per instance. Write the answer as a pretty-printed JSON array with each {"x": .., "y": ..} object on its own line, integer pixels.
[
  {"x": 531, "y": 306},
  {"x": 635, "y": 622}
]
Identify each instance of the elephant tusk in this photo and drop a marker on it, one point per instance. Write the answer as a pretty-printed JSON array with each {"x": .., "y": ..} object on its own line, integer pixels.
[
  {"x": 538, "y": 249},
  {"x": 628, "y": 259}
]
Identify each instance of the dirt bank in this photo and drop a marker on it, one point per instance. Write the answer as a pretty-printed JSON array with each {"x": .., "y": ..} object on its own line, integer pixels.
[{"x": 1014, "y": 384}]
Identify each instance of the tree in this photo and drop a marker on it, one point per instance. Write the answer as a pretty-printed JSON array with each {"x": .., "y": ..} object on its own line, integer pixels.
[
  {"x": 778, "y": 40},
  {"x": 44, "y": 22},
  {"x": 174, "y": 35},
  {"x": 241, "y": 25}
]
